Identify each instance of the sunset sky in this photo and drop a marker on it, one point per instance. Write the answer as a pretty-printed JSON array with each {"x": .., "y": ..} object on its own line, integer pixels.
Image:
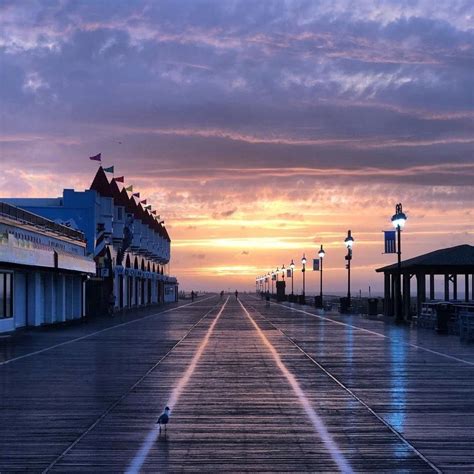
[{"x": 259, "y": 130}]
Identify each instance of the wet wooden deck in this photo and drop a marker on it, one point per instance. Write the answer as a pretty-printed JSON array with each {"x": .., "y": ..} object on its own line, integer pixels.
[{"x": 89, "y": 405}]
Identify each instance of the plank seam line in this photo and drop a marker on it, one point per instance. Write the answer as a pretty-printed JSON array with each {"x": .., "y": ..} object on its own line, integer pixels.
[
  {"x": 125, "y": 395},
  {"x": 352, "y": 394},
  {"x": 29, "y": 354},
  {"x": 421, "y": 348},
  {"x": 316, "y": 420}
]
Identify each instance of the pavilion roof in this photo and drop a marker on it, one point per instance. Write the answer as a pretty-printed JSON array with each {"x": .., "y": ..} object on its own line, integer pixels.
[{"x": 459, "y": 258}]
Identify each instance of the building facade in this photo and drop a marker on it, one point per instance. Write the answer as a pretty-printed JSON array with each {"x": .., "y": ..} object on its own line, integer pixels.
[
  {"x": 43, "y": 270},
  {"x": 130, "y": 245}
]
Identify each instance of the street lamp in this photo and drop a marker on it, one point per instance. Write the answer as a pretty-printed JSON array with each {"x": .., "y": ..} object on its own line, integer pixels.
[
  {"x": 277, "y": 272},
  {"x": 321, "y": 255},
  {"x": 283, "y": 272},
  {"x": 349, "y": 242},
  {"x": 292, "y": 266},
  {"x": 272, "y": 273},
  {"x": 398, "y": 220},
  {"x": 303, "y": 263}
]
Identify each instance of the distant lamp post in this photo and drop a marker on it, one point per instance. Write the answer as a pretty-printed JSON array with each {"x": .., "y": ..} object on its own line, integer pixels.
[
  {"x": 399, "y": 220},
  {"x": 321, "y": 255},
  {"x": 277, "y": 272},
  {"x": 283, "y": 272},
  {"x": 292, "y": 266},
  {"x": 303, "y": 270},
  {"x": 272, "y": 274},
  {"x": 349, "y": 242}
]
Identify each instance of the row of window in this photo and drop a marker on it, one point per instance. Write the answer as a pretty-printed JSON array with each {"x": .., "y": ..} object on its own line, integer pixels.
[{"x": 6, "y": 295}]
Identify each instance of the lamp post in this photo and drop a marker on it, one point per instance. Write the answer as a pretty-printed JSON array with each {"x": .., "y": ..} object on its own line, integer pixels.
[
  {"x": 321, "y": 255},
  {"x": 283, "y": 272},
  {"x": 277, "y": 272},
  {"x": 292, "y": 266},
  {"x": 303, "y": 263},
  {"x": 272, "y": 281},
  {"x": 349, "y": 242},
  {"x": 398, "y": 220}
]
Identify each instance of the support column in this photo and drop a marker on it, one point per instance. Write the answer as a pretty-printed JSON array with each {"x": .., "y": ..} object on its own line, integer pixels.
[
  {"x": 386, "y": 294},
  {"x": 466, "y": 287},
  {"x": 455, "y": 286},
  {"x": 420, "y": 291},
  {"x": 446, "y": 287},
  {"x": 35, "y": 300},
  {"x": 61, "y": 298},
  {"x": 432, "y": 287},
  {"x": 406, "y": 297}
]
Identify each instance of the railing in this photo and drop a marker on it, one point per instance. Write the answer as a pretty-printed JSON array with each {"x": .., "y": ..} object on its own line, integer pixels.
[{"x": 27, "y": 217}]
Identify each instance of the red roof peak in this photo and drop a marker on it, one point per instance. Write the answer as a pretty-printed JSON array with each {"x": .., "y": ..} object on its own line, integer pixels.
[{"x": 101, "y": 183}]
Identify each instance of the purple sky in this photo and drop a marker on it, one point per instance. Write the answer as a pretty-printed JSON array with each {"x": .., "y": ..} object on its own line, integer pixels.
[{"x": 242, "y": 119}]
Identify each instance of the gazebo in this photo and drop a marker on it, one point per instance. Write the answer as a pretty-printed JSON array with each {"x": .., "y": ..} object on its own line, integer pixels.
[{"x": 450, "y": 263}]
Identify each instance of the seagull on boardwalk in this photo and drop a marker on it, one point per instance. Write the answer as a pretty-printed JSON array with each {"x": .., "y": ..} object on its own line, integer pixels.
[{"x": 164, "y": 418}]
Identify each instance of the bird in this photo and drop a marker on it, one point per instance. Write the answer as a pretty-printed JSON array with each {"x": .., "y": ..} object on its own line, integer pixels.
[{"x": 164, "y": 418}]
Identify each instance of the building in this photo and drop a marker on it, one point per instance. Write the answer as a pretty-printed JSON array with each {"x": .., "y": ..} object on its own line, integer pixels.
[
  {"x": 43, "y": 269},
  {"x": 130, "y": 244},
  {"x": 449, "y": 263}
]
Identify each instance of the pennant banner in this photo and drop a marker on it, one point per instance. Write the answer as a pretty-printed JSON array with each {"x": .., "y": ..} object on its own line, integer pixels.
[
  {"x": 120, "y": 179},
  {"x": 148, "y": 206},
  {"x": 97, "y": 157},
  {"x": 110, "y": 169},
  {"x": 137, "y": 195},
  {"x": 316, "y": 264},
  {"x": 143, "y": 202},
  {"x": 129, "y": 188},
  {"x": 390, "y": 241}
]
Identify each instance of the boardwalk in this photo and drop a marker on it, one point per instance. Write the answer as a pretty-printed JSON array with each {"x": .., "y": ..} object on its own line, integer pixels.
[{"x": 251, "y": 389}]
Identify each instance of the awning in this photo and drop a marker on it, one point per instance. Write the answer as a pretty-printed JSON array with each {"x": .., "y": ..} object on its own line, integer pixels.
[
  {"x": 75, "y": 263},
  {"x": 30, "y": 256}
]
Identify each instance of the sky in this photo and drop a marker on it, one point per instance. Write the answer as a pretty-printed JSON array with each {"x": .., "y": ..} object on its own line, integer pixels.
[{"x": 259, "y": 130}]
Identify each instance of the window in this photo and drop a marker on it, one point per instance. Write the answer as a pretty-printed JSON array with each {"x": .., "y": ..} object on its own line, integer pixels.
[{"x": 6, "y": 295}]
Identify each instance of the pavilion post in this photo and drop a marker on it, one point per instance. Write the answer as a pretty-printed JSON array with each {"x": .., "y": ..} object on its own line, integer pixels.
[
  {"x": 420, "y": 291},
  {"x": 446, "y": 287},
  {"x": 455, "y": 286},
  {"x": 466, "y": 287},
  {"x": 386, "y": 294},
  {"x": 406, "y": 296},
  {"x": 432, "y": 286}
]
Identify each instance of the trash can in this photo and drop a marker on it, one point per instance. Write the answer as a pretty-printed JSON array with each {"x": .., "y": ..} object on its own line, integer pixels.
[
  {"x": 372, "y": 306},
  {"x": 345, "y": 305},
  {"x": 443, "y": 315},
  {"x": 318, "y": 301}
]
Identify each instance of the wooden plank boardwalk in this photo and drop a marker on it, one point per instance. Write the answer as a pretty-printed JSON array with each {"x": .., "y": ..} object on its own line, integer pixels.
[{"x": 90, "y": 405}]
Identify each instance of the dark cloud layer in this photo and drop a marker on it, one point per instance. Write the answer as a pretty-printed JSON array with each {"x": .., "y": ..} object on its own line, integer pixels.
[{"x": 210, "y": 85}]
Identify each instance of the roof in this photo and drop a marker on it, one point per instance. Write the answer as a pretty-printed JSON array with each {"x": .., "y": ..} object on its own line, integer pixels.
[
  {"x": 101, "y": 183},
  {"x": 459, "y": 258}
]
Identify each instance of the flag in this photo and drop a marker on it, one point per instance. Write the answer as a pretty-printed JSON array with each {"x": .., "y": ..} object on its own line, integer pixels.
[
  {"x": 288, "y": 273},
  {"x": 390, "y": 241},
  {"x": 96, "y": 157},
  {"x": 148, "y": 206},
  {"x": 315, "y": 264},
  {"x": 154, "y": 212},
  {"x": 137, "y": 195},
  {"x": 129, "y": 188},
  {"x": 110, "y": 169},
  {"x": 119, "y": 179},
  {"x": 143, "y": 202}
]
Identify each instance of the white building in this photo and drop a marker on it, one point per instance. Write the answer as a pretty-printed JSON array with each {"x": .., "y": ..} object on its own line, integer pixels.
[{"x": 43, "y": 268}]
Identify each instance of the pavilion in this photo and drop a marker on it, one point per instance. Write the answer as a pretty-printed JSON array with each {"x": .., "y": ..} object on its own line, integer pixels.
[{"x": 450, "y": 263}]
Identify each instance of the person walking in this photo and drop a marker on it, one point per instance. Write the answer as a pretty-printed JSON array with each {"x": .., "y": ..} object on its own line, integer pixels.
[
  {"x": 111, "y": 304},
  {"x": 236, "y": 294},
  {"x": 192, "y": 295}
]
